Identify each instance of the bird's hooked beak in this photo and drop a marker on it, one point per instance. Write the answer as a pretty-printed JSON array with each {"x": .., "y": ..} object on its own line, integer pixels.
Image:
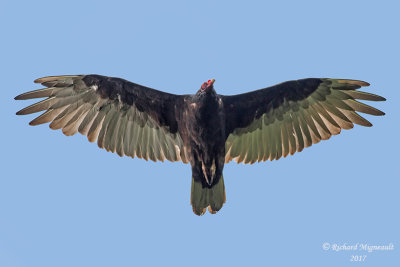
[{"x": 210, "y": 82}]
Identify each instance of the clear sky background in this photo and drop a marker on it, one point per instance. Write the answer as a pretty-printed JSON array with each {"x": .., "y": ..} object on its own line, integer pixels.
[{"x": 64, "y": 202}]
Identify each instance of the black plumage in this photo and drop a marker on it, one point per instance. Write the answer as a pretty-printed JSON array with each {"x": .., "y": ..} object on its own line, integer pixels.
[{"x": 206, "y": 129}]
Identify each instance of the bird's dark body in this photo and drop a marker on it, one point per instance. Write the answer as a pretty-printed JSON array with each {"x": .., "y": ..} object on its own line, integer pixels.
[
  {"x": 199, "y": 119},
  {"x": 202, "y": 128},
  {"x": 205, "y": 129}
]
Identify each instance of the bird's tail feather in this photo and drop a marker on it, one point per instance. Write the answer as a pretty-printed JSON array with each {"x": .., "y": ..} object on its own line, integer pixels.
[{"x": 203, "y": 197}]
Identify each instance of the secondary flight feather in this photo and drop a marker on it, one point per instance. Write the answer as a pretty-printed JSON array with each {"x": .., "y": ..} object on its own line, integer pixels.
[{"x": 205, "y": 129}]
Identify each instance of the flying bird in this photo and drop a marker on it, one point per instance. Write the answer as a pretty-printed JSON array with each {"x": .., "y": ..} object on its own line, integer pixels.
[{"x": 205, "y": 129}]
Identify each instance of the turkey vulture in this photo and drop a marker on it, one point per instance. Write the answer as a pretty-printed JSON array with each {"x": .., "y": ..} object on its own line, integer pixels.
[{"x": 205, "y": 129}]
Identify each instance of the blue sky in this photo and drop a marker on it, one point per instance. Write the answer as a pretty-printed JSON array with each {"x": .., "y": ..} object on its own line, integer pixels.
[{"x": 64, "y": 202}]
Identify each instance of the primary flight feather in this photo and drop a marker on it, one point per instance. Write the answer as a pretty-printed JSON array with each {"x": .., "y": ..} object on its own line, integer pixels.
[{"x": 206, "y": 129}]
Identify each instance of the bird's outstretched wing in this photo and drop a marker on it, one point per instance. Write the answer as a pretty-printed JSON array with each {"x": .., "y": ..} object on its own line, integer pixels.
[
  {"x": 123, "y": 117},
  {"x": 273, "y": 122}
]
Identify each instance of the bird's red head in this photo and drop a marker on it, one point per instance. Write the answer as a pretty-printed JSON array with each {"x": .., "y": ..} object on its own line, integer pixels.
[{"x": 207, "y": 85}]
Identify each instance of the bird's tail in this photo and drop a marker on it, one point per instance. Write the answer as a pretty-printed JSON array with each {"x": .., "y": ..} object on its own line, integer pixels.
[{"x": 203, "y": 197}]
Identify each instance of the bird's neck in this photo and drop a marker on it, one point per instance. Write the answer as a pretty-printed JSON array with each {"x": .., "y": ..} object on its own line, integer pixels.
[{"x": 208, "y": 103}]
